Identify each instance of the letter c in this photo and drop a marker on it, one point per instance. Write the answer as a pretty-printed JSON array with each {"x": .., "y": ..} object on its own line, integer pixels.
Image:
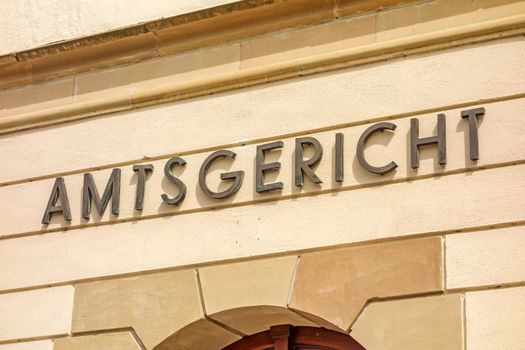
[{"x": 361, "y": 144}]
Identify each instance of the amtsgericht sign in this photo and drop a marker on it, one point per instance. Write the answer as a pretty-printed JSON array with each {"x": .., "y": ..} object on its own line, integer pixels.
[{"x": 59, "y": 203}]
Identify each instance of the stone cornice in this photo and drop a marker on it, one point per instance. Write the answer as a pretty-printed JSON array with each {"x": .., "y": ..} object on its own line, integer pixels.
[
  {"x": 143, "y": 94},
  {"x": 172, "y": 35}
]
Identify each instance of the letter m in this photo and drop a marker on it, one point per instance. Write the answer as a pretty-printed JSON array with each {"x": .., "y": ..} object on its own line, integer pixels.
[{"x": 90, "y": 194}]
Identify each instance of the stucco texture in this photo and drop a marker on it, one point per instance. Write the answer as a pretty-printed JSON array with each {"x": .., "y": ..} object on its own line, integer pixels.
[{"x": 26, "y": 24}]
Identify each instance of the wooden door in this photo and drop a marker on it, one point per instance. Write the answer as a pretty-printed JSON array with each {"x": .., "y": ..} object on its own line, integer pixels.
[{"x": 286, "y": 337}]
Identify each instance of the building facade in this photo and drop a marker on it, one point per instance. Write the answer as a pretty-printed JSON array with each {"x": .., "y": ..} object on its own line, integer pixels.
[{"x": 180, "y": 175}]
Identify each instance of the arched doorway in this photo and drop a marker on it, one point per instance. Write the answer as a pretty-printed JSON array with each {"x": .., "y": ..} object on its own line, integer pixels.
[{"x": 287, "y": 337}]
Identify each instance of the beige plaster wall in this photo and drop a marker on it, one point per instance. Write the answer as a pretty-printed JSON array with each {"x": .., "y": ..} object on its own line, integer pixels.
[
  {"x": 36, "y": 313},
  {"x": 295, "y": 224},
  {"x": 494, "y": 319},
  {"x": 490, "y": 258},
  {"x": 24, "y": 217},
  {"x": 26, "y": 24}
]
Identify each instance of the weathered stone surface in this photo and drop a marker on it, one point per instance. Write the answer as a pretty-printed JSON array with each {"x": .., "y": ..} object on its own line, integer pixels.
[
  {"x": 434, "y": 16},
  {"x": 105, "y": 341},
  {"x": 430, "y": 323},
  {"x": 353, "y": 7},
  {"x": 155, "y": 305},
  {"x": 250, "y": 320},
  {"x": 469, "y": 12},
  {"x": 189, "y": 66},
  {"x": 247, "y": 283},
  {"x": 55, "y": 93},
  {"x": 201, "y": 334},
  {"x": 319, "y": 39},
  {"x": 336, "y": 284},
  {"x": 250, "y": 296}
]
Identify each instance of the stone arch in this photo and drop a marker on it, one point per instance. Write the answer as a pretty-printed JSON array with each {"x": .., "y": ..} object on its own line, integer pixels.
[
  {"x": 326, "y": 288},
  {"x": 225, "y": 327},
  {"x": 319, "y": 289}
]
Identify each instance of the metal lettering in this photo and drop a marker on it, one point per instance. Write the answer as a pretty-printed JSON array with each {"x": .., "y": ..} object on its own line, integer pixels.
[
  {"x": 182, "y": 187},
  {"x": 58, "y": 192},
  {"x": 236, "y": 176},
  {"x": 261, "y": 168},
  {"x": 90, "y": 193},
  {"x": 142, "y": 171},
  {"x": 339, "y": 157},
  {"x": 416, "y": 141},
  {"x": 304, "y": 167},
  {"x": 361, "y": 144},
  {"x": 472, "y": 115}
]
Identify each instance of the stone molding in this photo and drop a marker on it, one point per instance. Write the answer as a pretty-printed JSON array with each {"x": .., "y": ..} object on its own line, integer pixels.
[
  {"x": 143, "y": 94},
  {"x": 171, "y": 35}
]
